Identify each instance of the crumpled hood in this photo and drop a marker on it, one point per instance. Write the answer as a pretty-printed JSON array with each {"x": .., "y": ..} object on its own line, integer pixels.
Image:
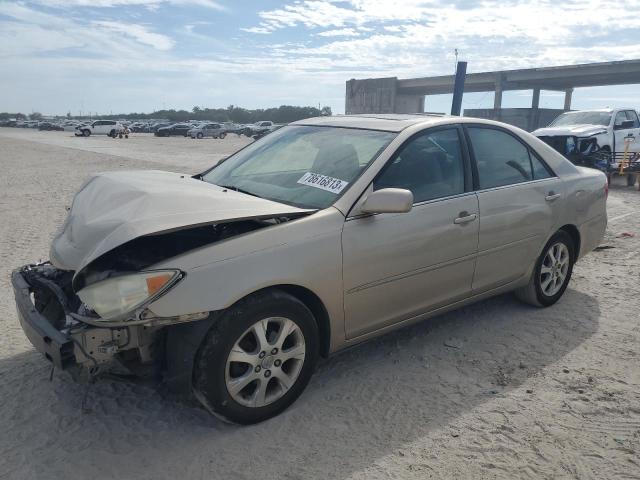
[
  {"x": 566, "y": 130},
  {"x": 115, "y": 207}
]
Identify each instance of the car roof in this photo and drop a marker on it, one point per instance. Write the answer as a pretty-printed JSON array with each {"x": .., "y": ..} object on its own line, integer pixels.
[{"x": 387, "y": 122}]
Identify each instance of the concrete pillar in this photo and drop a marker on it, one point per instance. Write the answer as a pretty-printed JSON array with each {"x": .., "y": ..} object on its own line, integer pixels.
[
  {"x": 535, "y": 111},
  {"x": 497, "y": 98},
  {"x": 535, "y": 101},
  {"x": 567, "y": 98}
]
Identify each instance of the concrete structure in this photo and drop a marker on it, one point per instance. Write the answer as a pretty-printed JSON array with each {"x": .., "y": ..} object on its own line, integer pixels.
[
  {"x": 527, "y": 119},
  {"x": 391, "y": 95}
]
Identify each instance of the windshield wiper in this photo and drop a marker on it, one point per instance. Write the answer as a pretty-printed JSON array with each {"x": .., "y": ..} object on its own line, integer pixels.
[{"x": 231, "y": 187}]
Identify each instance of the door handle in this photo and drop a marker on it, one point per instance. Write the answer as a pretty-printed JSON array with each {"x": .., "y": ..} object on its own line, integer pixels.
[
  {"x": 552, "y": 196},
  {"x": 465, "y": 218}
]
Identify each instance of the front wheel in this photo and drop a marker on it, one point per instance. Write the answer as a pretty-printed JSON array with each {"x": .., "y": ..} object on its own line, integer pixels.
[
  {"x": 86, "y": 133},
  {"x": 222, "y": 135},
  {"x": 552, "y": 272},
  {"x": 257, "y": 359},
  {"x": 199, "y": 135}
]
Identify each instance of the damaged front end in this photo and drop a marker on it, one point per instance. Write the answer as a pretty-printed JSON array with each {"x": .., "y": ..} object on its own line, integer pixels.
[
  {"x": 54, "y": 319},
  {"x": 98, "y": 320},
  {"x": 583, "y": 151},
  {"x": 88, "y": 309}
]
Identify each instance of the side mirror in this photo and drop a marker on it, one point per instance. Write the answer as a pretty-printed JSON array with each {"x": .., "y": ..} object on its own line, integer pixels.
[
  {"x": 388, "y": 200},
  {"x": 626, "y": 124}
]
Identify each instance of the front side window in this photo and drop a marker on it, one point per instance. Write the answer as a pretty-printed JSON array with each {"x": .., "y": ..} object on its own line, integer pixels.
[
  {"x": 633, "y": 116},
  {"x": 430, "y": 166},
  {"x": 304, "y": 166},
  {"x": 501, "y": 159},
  {"x": 620, "y": 117}
]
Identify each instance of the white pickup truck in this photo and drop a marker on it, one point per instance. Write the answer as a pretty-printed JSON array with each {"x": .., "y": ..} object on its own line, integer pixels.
[
  {"x": 99, "y": 127},
  {"x": 595, "y": 138}
]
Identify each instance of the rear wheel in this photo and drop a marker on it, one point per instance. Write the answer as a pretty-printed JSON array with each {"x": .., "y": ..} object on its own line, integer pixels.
[
  {"x": 257, "y": 359},
  {"x": 631, "y": 180},
  {"x": 552, "y": 272}
]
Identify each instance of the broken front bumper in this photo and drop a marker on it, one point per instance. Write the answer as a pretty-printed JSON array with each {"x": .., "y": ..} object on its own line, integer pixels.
[{"x": 57, "y": 347}]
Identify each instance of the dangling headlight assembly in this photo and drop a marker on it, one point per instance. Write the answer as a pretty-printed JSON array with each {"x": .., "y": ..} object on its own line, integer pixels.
[{"x": 117, "y": 296}]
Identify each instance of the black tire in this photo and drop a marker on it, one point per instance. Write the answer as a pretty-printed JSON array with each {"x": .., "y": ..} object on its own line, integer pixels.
[
  {"x": 86, "y": 133},
  {"x": 631, "y": 180},
  {"x": 222, "y": 135},
  {"x": 533, "y": 293},
  {"x": 209, "y": 382},
  {"x": 199, "y": 135},
  {"x": 112, "y": 134}
]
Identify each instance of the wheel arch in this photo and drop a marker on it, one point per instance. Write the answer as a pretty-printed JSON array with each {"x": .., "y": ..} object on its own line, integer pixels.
[
  {"x": 574, "y": 233},
  {"x": 313, "y": 303}
]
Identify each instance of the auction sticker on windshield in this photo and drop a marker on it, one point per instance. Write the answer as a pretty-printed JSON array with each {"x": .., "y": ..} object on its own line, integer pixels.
[{"x": 324, "y": 182}]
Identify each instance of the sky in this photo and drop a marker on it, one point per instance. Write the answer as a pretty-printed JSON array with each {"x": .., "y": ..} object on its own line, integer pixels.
[{"x": 121, "y": 56}]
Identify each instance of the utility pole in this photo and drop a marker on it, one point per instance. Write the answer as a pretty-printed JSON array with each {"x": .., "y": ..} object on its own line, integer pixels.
[{"x": 458, "y": 87}]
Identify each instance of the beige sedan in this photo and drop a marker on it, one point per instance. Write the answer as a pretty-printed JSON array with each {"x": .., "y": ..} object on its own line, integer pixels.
[{"x": 326, "y": 233}]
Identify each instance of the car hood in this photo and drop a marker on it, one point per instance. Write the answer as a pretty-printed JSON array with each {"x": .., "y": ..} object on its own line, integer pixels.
[
  {"x": 113, "y": 208},
  {"x": 567, "y": 130}
]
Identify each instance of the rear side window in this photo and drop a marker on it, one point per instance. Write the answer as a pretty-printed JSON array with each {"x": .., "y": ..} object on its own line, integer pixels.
[
  {"x": 502, "y": 159},
  {"x": 430, "y": 166}
]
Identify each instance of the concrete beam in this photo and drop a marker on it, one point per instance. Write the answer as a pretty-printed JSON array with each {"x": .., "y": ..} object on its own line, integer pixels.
[{"x": 550, "y": 78}]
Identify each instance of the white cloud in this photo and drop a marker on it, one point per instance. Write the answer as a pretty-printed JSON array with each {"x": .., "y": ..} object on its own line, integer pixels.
[
  {"x": 153, "y": 4},
  {"x": 341, "y": 32},
  {"x": 139, "y": 33}
]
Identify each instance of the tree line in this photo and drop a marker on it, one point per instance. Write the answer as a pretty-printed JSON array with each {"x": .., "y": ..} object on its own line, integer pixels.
[{"x": 281, "y": 114}]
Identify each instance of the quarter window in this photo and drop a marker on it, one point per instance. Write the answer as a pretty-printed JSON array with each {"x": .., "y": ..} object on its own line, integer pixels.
[
  {"x": 430, "y": 166},
  {"x": 539, "y": 170},
  {"x": 502, "y": 159}
]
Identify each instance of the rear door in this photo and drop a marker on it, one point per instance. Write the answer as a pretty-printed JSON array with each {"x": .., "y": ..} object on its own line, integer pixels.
[{"x": 519, "y": 199}]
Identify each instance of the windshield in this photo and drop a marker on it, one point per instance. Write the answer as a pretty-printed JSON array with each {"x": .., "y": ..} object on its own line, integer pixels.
[
  {"x": 308, "y": 167},
  {"x": 582, "y": 118}
]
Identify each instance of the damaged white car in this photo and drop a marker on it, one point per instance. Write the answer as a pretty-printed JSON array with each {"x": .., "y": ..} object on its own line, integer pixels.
[
  {"x": 232, "y": 283},
  {"x": 596, "y": 138}
]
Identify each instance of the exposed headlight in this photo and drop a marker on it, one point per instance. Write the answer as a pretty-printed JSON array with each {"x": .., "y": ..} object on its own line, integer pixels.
[
  {"x": 119, "y": 295},
  {"x": 570, "y": 145}
]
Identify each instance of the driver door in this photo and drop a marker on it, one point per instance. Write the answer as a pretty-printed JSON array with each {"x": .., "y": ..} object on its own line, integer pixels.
[
  {"x": 629, "y": 135},
  {"x": 398, "y": 266}
]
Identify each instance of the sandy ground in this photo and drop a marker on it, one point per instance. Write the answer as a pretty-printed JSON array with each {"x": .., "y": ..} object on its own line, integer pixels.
[{"x": 495, "y": 390}]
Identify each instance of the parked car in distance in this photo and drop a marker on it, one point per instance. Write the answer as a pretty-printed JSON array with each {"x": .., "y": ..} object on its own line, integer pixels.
[
  {"x": 595, "y": 138},
  {"x": 324, "y": 234},
  {"x": 140, "y": 127},
  {"x": 177, "y": 129},
  {"x": 213, "y": 130},
  {"x": 154, "y": 128},
  {"x": 50, "y": 126},
  {"x": 99, "y": 127},
  {"x": 259, "y": 127}
]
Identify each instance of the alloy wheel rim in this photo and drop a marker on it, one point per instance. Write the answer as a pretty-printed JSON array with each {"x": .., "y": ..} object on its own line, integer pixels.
[
  {"x": 265, "y": 362},
  {"x": 554, "y": 269}
]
